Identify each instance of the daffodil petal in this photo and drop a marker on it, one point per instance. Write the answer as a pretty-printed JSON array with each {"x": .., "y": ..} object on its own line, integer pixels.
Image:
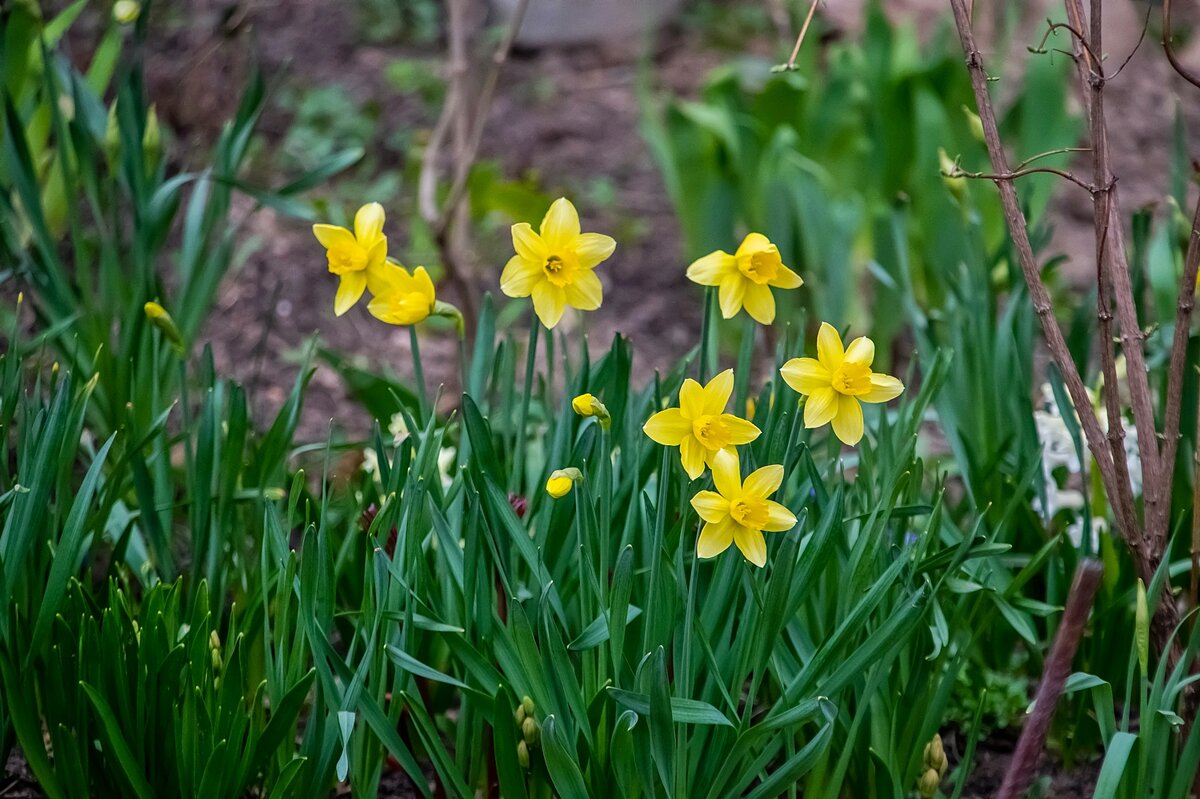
[
  {"x": 350, "y": 289},
  {"x": 763, "y": 482},
  {"x": 377, "y": 254},
  {"x": 667, "y": 427},
  {"x": 861, "y": 351},
  {"x": 754, "y": 242},
  {"x": 830, "y": 351},
  {"x": 549, "y": 302},
  {"x": 739, "y": 430},
  {"x": 528, "y": 244},
  {"x": 560, "y": 226},
  {"x": 883, "y": 388},
  {"x": 715, "y": 538},
  {"x": 730, "y": 295},
  {"x": 821, "y": 407},
  {"x": 779, "y": 518},
  {"x": 787, "y": 279},
  {"x": 727, "y": 473},
  {"x": 806, "y": 375},
  {"x": 848, "y": 421},
  {"x": 332, "y": 236},
  {"x": 368, "y": 224},
  {"x": 752, "y": 545},
  {"x": 424, "y": 284},
  {"x": 585, "y": 291},
  {"x": 717, "y": 392},
  {"x": 711, "y": 506},
  {"x": 519, "y": 277},
  {"x": 712, "y": 268},
  {"x": 759, "y": 302},
  {"x": 691, "y": 455},
  {"x": 692, "y": 399},
  {"x": 593, "y": 248}
]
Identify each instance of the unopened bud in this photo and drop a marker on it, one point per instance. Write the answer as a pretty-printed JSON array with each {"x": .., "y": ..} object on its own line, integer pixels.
[
  {"x": 927, "y": 786},
  {"x": 527, "y": 703},
  {"x": 529, "y": 729},
  {"x": 523, "y": 754},
  {"x": 588, "y": 405},
  {"x": 561, "y": 482},
  {"x": 935, "y": 755},
  {"x": 520, "y": 715},
  {"x": 152, "y": 138},
  {"x": 126, "y": 12},
  {"x": 159, "y": 317},
  {"x": 974, "y": 123},
  {"x": 112, "y": 135}
]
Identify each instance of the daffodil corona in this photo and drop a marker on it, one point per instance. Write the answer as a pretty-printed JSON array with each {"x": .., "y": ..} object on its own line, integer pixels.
[
  {"x": 744, "y": 279},
  {"x": 837, "y": 381},
  {"x": 357, "y": 256},
  {"x": 739, "y": 512},
  {"x": 402, "y": 298},
  {"x": 555, "y": 265},
  {"x": 699, "y": 426}
]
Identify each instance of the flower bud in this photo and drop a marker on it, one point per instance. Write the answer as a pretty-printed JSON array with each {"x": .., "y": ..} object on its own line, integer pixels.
[
  {"x": 126, "y": 12},
  {"x": 520, "y": 715},
  {"x": 974, "y": 123},
  {"x": 527, "y": 703},
  {"x": 587, "y": 405},
  {"x": 529, "y": 729},
  {"x": 112, "y": 135},
  {"x": 927, "y": 786},
  {"x": 159, "y": 317},
  {"x": 152, "y": 138},
  {"x": 935, "y": 755},
  {"x": 561, "y": 482},
  {"x": 523, "y": 754}
]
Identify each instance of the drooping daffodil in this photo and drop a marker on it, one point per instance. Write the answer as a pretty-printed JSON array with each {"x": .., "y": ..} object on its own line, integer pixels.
[
  {"x": 837, "y": 381},
  {"x": 555, "y": 265},
  {"x": 402, "y": 298},
  {"x": 745, "y": 279},
  {"x": 561, "y": 481},
  {"x": 739, "y": 512},
  {"x": 357, "y": 256},
  {"x": 586, "y": 405},
  {"x": 699, "y": 426}
]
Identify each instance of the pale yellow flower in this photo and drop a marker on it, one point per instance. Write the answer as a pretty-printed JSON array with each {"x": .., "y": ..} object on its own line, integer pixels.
[
  {"x": 744, "y": 279},
  {"x": 555, "y": 265},
  {"x": 401, "y": 298},
  {"x": 699, "y": 426},
  {"x": 836, "y": 381},
  {"x": 357, "y": 256},
  {"x": 738, "y": 512}
]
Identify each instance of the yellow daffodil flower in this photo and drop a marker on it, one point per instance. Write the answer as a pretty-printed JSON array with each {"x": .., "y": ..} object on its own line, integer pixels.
[
  {"x": 738, "y": 512},
  {"x": 699, "y": 426},
  {"x": 836, "y": 381},
  {"x": 555, "y": 266},
  {"x": 744, "y": 279},
  {"x": 562, "y": 481},
  {"x": 401, "y": 298},
  {"x": 588, "y": 405},
  {"x": 356, "y": 257}
]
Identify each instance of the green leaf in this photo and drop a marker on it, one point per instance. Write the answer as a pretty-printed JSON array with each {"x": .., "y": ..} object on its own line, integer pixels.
[{"x": 683, "y": 711}]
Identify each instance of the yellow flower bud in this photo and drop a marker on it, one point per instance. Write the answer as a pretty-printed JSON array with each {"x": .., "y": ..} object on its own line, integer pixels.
[
  {"x": 558, "y": 486},
  {"x": 587, "y": 405},
  {"x": 927, "y": 786},
  {"x": 214, "y": 640},
  {"x": 159, "y": 317},
  {"x": 934, "y": 756},
  {"x": 126, "y": 12},
  {"x": 520, "y": 715},
  {"x": 523, "y": 754}
]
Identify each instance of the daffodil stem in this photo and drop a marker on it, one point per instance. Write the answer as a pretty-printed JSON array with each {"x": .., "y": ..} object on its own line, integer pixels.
[
  {"x": 517, "y": 478},
  {"x": 745, "y": 364},
  {"x": 606, "y": 492},
  {"x": 418, "y": 375},
  {"x": 706, "y": 326}
]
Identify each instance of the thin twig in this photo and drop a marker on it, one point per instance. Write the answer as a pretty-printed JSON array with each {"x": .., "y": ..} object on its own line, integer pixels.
[
  {"x": 1023, "y": 766},
  {"x": 1179, "y": 349},
  {"x": 1049, "y": 153},
  {"x": 1168, "y": 43},
  {"x": 791, "y": 63},
  {"x": 1020, "y": 173}
]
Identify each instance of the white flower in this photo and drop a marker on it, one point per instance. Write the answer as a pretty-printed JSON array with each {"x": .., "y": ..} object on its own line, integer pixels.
[
  {"x": 370, "y": 461},
  {"x": 398, "y": 428},
  {"x": 447, "y": 460}
]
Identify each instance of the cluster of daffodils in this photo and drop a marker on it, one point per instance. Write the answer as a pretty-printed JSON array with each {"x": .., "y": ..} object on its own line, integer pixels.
[
  {"x": 359, "y": 258},
  {"x": 555, "y": 266}
]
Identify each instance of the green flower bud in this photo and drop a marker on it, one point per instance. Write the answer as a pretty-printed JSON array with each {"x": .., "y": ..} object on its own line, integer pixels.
[
  {"x": 927, "y": 786},
  {"x": 520, "y": 715},
  {"x": 523, "y": 754},
  {"x": 126, "y": 12},
  {"x": 527, "y": 703},
  {"x": 529, "y": 729},
  {"x": 152, "y": 137}
]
